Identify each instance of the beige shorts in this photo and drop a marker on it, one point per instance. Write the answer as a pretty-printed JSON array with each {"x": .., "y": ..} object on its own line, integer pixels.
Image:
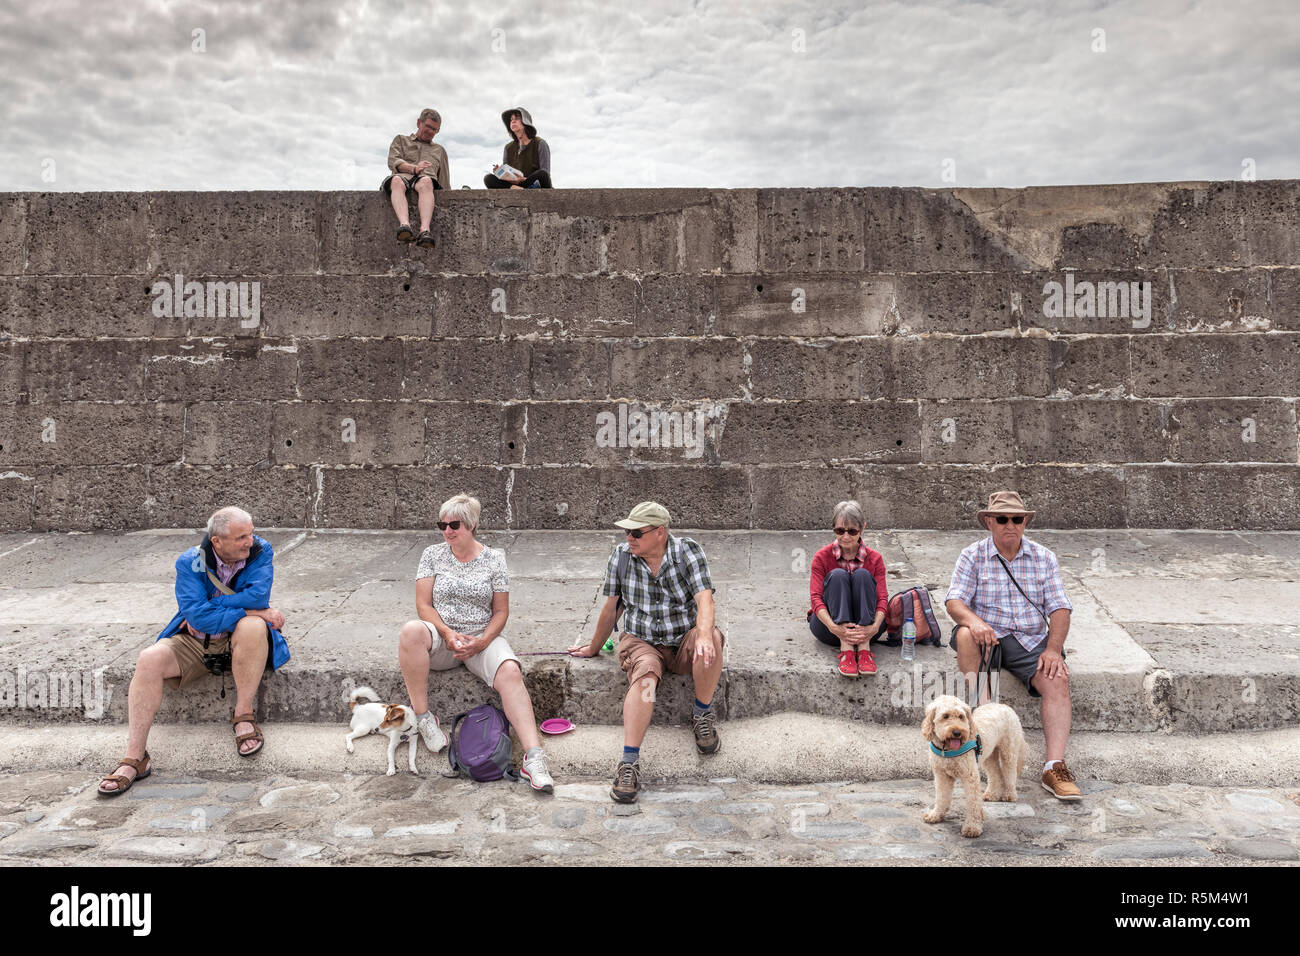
[
  {"x": 640, "y": 659},
  {"x": 189, "y": 654},
  {"x": 482, "y": 665}
]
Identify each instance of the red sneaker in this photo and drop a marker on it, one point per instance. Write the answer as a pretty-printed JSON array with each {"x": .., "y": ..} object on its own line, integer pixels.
[
  {"x": 849, "y": 664},
  {"x": 866, "y": 663}
]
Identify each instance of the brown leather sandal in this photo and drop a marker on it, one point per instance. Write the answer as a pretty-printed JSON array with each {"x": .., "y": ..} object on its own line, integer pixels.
[
  {"x": 124, "y": 784},
  {"x": 255, "y": 735}
]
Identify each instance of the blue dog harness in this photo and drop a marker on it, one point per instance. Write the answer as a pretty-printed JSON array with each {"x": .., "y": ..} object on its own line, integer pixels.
[{"x": 970, "y": 745}]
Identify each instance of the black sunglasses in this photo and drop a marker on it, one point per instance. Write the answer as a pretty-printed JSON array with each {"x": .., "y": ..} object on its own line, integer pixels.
[
  {"x": 444, "y": 525},
  {"x": 1014, "y": 519},
  {"x": 853, "y": 531},
  {"x": 637, "y": 532}
]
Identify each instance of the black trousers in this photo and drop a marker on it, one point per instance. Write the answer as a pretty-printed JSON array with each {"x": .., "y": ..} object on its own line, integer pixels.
[{"x": 542, "y": 178}]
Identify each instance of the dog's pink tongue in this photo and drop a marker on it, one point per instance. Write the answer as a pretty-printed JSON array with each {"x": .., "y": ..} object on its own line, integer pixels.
[{"x": 954, "y": 743}]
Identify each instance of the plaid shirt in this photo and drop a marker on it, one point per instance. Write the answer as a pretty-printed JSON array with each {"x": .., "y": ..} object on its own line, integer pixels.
[
  {"x": 979, "y": 582},
  {"x": 661, "y": 609}
]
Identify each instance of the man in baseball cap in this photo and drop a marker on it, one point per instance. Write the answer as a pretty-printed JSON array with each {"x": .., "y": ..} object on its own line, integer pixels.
[
  {"x": 662, "y": 582},
  {"x": 1006, "y": 593}
]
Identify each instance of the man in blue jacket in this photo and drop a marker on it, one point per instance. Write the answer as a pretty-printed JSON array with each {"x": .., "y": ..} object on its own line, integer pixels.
[{"x": 223, "y": 595}]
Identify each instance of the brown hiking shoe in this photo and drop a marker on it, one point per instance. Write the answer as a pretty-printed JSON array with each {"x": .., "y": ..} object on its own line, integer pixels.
[
  {"x": 1059, "y": 782},
  {"x": 627, "y": 781},
  {"x": 706, "y": 734}
]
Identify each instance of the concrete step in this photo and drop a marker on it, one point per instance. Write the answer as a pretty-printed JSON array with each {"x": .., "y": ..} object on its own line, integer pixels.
[{"x": 1180, "y": 631}]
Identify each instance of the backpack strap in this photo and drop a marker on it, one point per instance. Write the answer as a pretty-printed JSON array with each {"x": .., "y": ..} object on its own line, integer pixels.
[
  {"x": 620, "y": 572},
  {"x": 451, "y": 743},
  {"x": 923, "y": 595}
]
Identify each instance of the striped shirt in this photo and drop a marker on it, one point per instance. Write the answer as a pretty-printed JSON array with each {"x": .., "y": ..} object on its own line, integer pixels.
[
  {"x": 979, "y": 582},
  {"x": 661, "y": 609}
]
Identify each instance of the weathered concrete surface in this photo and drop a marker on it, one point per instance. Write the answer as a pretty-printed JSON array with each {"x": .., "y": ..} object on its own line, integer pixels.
[
  {"x": 1183, "y": 631},
  {"x": 378, "y": 378}
]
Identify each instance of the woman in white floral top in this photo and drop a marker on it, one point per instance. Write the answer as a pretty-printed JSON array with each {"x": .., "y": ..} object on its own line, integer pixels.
[{"x": 462, "y": 594}]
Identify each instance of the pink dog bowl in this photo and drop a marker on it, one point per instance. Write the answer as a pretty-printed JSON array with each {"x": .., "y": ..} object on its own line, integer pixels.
[{"x": 556, "y": 725}]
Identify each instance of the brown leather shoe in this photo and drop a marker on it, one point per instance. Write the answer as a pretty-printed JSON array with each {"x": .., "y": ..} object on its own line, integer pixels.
[
  {"x": 1059, "y": 782},
  {"x": 627, "y": 781}
]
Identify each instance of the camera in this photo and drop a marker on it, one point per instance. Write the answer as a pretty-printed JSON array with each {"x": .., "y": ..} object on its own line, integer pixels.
[{"x": 217, "y": 663}]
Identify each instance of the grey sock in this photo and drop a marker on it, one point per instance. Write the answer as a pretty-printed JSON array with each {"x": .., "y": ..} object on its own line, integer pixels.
[{"x": 533, "y": 752}]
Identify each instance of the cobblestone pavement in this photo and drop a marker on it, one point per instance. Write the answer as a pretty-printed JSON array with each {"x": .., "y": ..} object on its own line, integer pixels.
[{"x": 53, "y": 818}]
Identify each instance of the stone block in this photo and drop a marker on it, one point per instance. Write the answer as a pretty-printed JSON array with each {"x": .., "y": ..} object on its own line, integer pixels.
[
  {"x": 476, "y": 236},
  {"x": 84, "y": 433},
  {"x": 570, "y": 370},
  {"x": 356, "y": 498},
  {"x": 182, "y": 496},
  {"x": 730, "y": 226},
  {"x": 13, "y": 233},
  {"x": 566, "y": 245},
  {"x": 228, "y": 433},
  {"x": 83, "y": 307},
  {"x": 1223, "y": 300},
  {"x": 13, "y": 378},
  {"x": 812, "y": 432},
  {"x": 565, "y": 433},
  {"x": 963, "y": 303},
  {"x": 963, "y": 431},
  {"x": 340, "y": 306},
  {"x": 347, "y": 433},
  {"x": 1093, "y": 302},
  {"x": 1230, "y": 223},
  {"x": 468, "y": 305},
  {"x": 673, "y": 305},
  {"x": 65, "y": 371},
  {"x": 1090, "y": 430},
  {"x": 422, "y": 490},
  {"x": 232, "y": 236},
  {"x": 802, "y": 305},
  {"x": 1225, "y": 430},
  {"x": 213, "y": 371},
  {"x": 967, "y": 367},
  {"x": 1261, "y": 497},
  {"x": 798, "y": 496},
  {"x": 92, "y": 498},
  {"x": 358, "y": 236},
  {"x": 466, "y": 369},
  {"x": 17, "y": 499},
  {"x": 566, "y": 306},
  {"x": 697, "y": 497},
  {"x": 1284, "y": 294},
  {"x": 835, "y": 369},
  {"x": 558, "y": 498},
  {"x": 1090, "y": 365},
  {"x": 647, "y": 244},
  {"x": 677, "y": 369},
  {"x": 350, "y": 368},
  {"x": 805, "y": 230},
  {"x": 111, "y": 230},
  {"x": 473, "y": 433},
  {"x": 1189, "y": 366}
]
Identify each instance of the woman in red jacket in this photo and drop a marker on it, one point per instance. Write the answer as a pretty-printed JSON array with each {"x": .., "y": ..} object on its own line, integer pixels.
[{"x": 848, "y": 592}]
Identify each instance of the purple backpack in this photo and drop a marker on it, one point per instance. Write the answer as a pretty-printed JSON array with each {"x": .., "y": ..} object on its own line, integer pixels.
[{"x": 482, "y": 747}]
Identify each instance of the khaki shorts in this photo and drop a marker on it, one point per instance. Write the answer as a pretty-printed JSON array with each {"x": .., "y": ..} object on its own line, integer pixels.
[
  {"x": 482, "y": 665},
  {"x": 189, "y": 654},
  {"x": 640, "y": 659}
]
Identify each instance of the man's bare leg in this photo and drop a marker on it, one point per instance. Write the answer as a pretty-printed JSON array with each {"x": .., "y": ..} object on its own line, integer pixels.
[
  {"x": 424, "y": 195},
  {"x": 1056, "y": 713},
  {"x": 248, "y": 652},
  {"x": 638, "y": 708},
  {"x": 397, "y": 192},
  {"x": 155, "y": 664},
  {"x": 706, "y": 676}
]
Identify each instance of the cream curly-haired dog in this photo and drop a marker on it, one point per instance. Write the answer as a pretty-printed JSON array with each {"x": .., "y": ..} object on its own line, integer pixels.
[{"x": 949, "y": 725}]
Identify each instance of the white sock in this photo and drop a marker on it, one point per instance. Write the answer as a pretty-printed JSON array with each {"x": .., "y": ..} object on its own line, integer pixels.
[
  {"x": 1048, "y": 766},
  {"x": 421, "y": 718}
]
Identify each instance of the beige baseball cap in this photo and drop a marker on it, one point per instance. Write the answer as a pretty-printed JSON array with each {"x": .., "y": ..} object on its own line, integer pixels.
[{"x": 646, "y": 513}]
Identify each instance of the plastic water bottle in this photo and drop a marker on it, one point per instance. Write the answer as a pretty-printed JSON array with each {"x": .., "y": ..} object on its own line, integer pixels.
[
  {"x": 608, "y": 647},
  {"x": 909, "y": 640}
]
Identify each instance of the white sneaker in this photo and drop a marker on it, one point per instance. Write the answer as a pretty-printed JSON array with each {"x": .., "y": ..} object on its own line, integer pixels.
[
  {"x": 538, "y": 774},
  {"x": 433, "y": 736}
]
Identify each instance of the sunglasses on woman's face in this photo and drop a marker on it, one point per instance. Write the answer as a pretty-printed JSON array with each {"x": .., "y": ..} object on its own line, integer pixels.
[
  {"x": 1014, "y": 519},
  {"x": 637, "y": 532},
  {"x": 444, "y": 525},
  {"x": 854, "y": 532}
]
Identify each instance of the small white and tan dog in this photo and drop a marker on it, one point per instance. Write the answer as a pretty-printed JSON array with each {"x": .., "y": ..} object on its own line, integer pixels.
[
  {"x": 948, "y": 727},
  {"x": 370, "y": 716}
]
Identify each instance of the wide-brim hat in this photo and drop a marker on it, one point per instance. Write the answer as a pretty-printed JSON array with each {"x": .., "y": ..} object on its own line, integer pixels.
[
  {"x": 646, "y": 513},
  {"x": 524, "y": 116},
  {"x": 1004, "y": 503}
]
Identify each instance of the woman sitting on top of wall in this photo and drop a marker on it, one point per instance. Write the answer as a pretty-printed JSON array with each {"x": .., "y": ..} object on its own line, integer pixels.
[{"x": 526, "y": 152}]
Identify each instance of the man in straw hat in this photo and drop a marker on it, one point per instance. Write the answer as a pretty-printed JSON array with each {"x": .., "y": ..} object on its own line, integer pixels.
[
  {"x": 668, "y": 595},
  {"x": 1006, "y": 592}
]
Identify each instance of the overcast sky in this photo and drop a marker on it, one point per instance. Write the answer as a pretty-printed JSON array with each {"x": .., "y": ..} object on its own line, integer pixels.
[{"x": 119, "y": 94}]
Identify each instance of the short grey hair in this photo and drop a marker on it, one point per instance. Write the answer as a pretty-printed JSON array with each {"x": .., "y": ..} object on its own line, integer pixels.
[
  {"x": 850, "y": 511},
  {"x": 463, "y": 507},
  {"x": 221, "y": 520},
  {"x": 430, "y": 114}
]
